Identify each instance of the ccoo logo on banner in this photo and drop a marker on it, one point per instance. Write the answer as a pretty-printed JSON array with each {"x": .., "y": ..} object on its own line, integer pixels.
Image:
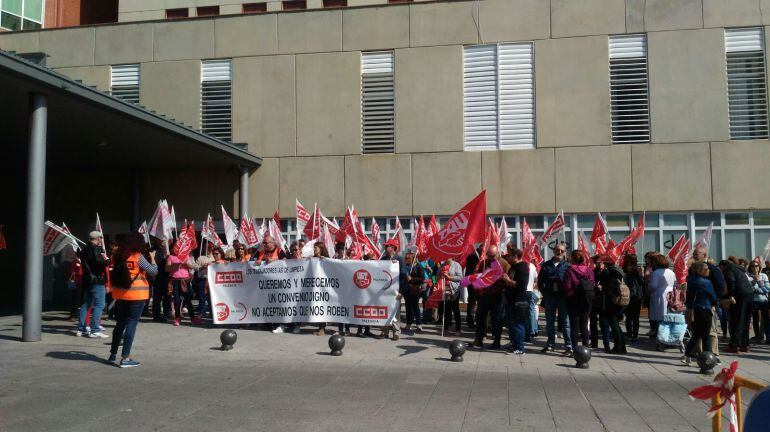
[{"x": 305, "y": 291}]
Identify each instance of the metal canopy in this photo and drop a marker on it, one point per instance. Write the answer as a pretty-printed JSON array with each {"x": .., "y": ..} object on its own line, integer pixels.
[{"x": 91, "y": 129}]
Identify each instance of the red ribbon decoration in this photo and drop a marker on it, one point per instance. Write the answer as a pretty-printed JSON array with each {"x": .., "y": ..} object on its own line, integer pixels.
[{"x": 724, "y": 387}]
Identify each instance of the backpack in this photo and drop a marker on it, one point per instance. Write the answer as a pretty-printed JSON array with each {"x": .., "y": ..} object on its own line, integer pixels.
[
  {"x": 637, "y": 291},
  {"x": 623, "y": 296},
  {"x": 587, "y": 294}
]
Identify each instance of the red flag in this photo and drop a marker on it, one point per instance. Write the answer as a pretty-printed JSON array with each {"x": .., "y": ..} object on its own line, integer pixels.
[
  {"x": 679, "y": 254},
  {"x": 248, "y": 233},
  {"x": 421, "y": 239},
  {"x": 461, "y": 231},
  {"x": 599, "y": 235},
  {"x": 433, "y": 226},
  {"x": 277, "y": 220},
  {"x": 436, "y": 294},
  {"x": 529, "y": 245},
  {"x": 185, "y": 242},
  {"x": 313, "y": 227},
  {"x": 627, "y": 243},
  {"x": 493, "y": 234},
  {"x": 3, "y": 244},
  {"x": 582, "y": 244},
  {"x": 612, "y": 249},
  {"x": 485, "y": 278},
  {"x": 556, "y": 227}
]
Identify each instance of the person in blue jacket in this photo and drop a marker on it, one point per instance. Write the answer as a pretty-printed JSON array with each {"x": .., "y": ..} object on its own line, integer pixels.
[{"x": 701, "y": 297}]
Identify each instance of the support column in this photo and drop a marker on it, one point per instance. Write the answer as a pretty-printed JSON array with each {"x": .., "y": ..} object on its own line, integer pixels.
[
  {"x": 33, "y": 266},
  {"x": 243, "y": 193},
  {"x": 135, "y": 214}
]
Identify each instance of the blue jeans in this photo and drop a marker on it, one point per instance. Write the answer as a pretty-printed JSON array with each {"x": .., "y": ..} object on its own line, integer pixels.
[
  {"x": 531, "y": 323},
  {"x": 93, "y": 296},
  {"x": 127, "y": 313},
  {"x": 199, "y": 284},
  {"x": 516, "y": 327},
  {"x": 554, "y": 303}
]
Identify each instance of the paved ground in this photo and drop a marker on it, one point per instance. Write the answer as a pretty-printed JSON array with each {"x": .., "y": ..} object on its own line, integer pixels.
[{"x": 289, "y": 382}]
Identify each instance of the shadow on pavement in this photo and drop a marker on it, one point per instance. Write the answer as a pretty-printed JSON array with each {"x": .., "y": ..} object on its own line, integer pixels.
[
  {"x": 74, "y": 355},
  {"x": 410, "y": 349}
]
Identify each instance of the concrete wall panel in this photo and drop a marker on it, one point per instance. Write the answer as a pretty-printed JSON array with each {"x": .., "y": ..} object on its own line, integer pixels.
[
  {"x": 727, "y": 13},
  {"x": 182, "y": 40},
  {"x": 688, "y": 89},
  {"x": 98, "y": 76},
  {"x": 519, "y": 181},
  {"x": 20, "y": 42},
  {"x": 328, "y": 191},
  {"x": 444, "y": 182},
  {"x": 673, "y": 15},
  {"x": 739, "y": 174},
  {"x": 602, "y": 184},
  {"x": 442, "y": 24},
  {"x": 379, "y": 184},
  {"x": 515, "y": 20},
  {"x": 264, "y": 108},
  {"x": 572, "y": 92},
  {"x": 246, "y": 35},
  {"x": 68, "y": 47},
  {"x": 123, "y": 44},
  {"x": 263, "y": 189},
  {"x": 177, "y": 98},
  {"x": 141, "y": 16},
  {"x": 429, "y": 99},
  {"x": 587, "y": 17},
  {"x": 305, "y": 32},
  {"x": 329, "y": 104},
  {"x": 662, "y": 182},
  {"x": 375, "y": 28},
  {"x": 635, "y": 15}
]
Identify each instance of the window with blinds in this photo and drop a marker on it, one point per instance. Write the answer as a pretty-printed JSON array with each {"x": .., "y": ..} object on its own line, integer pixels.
[
  {"x": 746, "y": 85},
  {"x": 377, "y": 103},
  {"x": 124, "y": 82},
  {"x": 216, "y": 99},
  {"x": 499, "y": 96},
  {"x": 629, "y": 91}
]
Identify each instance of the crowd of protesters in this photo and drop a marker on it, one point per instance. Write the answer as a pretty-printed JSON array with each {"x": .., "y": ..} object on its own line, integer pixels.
[{"x": 582, "y": 297}]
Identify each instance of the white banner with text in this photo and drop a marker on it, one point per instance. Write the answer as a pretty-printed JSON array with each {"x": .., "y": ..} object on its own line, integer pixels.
[{"x": 304, "y": 291}]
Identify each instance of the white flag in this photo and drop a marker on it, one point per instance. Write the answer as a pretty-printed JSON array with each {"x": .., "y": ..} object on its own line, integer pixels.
[
  {"x": 56, "y": 238},
  {"x": 231, "y": 230},
  {"x": 143, "y": 231},
  {"x": 705, "y": 239},
  {"x": 275, "y": 232},
  {"x": 308, "y": 249},
  {"x": 503, "y": 235}
]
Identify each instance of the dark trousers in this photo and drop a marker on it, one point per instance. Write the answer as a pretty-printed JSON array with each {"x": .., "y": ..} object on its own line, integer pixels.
[
  {"x": 127, "y": 314},
  {"x": 160, "y": 298},
  {"x": 578, "y": 322},
  {"x": 470, "y": 310},
  {"x": 611, "y": 326},
  {"x": 516, "y": 320},
  {"x": 412, "y": 303},
  {"x": 701, "y": 329},
  {"x": 491, "y": 304},
  {"x": 200, "y": 291},
  {"x": 740, "y": 314},
  {"x": 760, "y": 321},
  {"x": 76, "y": 298},
  {"x": 182, "y": 297},
  {"x": 595, "y": 324},
  {"x": 452, "y": 307},
  {"x": 633, "y": 310}
]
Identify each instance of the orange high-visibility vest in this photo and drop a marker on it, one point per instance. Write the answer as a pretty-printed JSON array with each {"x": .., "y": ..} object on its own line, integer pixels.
[{"x": 140, "y": 288}]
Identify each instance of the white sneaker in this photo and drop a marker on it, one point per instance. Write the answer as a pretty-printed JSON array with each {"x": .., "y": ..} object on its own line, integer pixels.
[
  {"x": 686, "y": 360},
  {"x": 278, "y": 329},
  {"x": 296, "y": 330},
  {"x": 97, "y": 335},
  {"x": 518, "y": 352},
  {"x": 79, "y": 333}
]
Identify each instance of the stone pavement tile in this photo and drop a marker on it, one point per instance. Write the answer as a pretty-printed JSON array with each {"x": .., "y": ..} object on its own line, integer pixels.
[
  {"x": 580, "y": 426},
  {"x": 424, "y": 425},
  {"x": 676, "y": 397}
]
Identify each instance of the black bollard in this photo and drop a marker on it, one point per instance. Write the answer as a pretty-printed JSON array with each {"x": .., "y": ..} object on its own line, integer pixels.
[
  {"x": 228, "y": 338},
  {"x": 582, "y": 357},
  {"x": 706, "y": 361},
  {"x": 457, "y": 349},
  {"x": 336, "y": 343}
]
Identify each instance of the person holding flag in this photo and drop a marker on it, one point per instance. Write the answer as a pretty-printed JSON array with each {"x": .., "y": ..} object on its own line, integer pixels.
[
  {"x": 550, "y": 281},
  {"x": 517, "y": 299},
  {"x": 490, "y": 300},
  {"x": 179, "y": 264},
  {"x": 94, "y": 260}
]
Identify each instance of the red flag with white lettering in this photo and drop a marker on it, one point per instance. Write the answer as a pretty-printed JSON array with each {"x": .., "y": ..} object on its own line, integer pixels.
[
  {"x": 461, "y": 231},
  {"x": 599, "y": 235},
  {"x": 556, "y": 228},
  {"x": 303, "y": 217},
  {"x": 185, "y": 242}
]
